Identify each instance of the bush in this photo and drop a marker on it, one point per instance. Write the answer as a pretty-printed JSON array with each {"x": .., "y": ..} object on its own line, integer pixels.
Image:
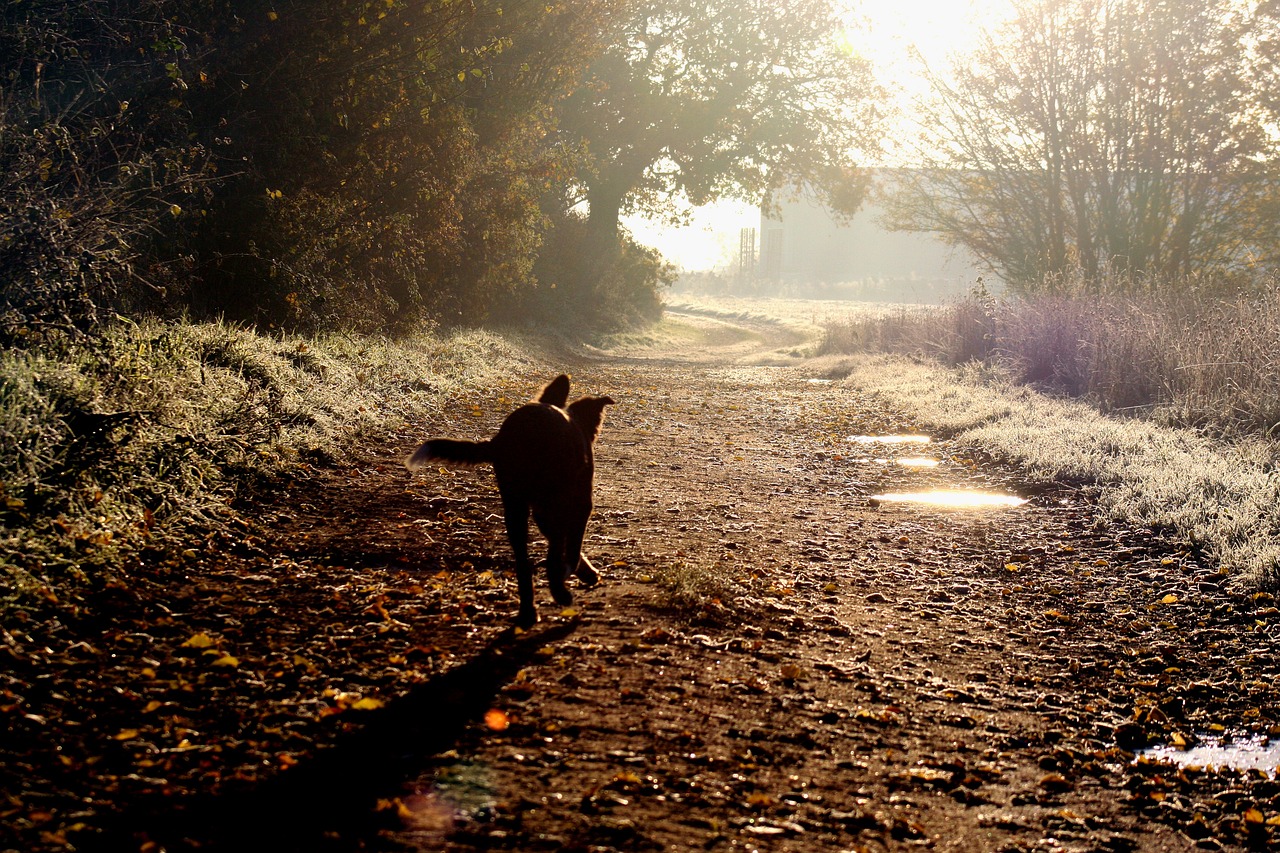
[{"x": 581, "y": 285}]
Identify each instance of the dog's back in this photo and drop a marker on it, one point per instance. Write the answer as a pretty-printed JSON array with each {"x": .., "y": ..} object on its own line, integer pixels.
[{"x": 541, "y": 456}]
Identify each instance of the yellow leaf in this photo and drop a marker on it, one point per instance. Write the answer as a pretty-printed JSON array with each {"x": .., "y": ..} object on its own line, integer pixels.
[
  {"x": 175, "y": 209},
  {"x": 368, "y": 703},
  {"x": 199, "y": 641},
  {"x": 153, "y": 705},
  {"x": 1253, "y": 816},
  {"x": 569, "y": 612},
  {"x": 1169, "y": 599},
  {"x": 227, "y": 660},
  {"x": 127, "y": 734}
]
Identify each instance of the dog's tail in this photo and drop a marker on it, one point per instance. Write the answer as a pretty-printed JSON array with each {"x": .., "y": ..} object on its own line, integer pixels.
[{"x": 450, "y": 450}]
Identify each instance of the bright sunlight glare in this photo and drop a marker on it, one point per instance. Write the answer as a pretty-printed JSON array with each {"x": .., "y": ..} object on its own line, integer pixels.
[{"x": 894, "y": 31}]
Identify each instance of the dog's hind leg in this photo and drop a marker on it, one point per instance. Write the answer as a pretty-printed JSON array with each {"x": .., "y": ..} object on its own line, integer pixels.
[
  {"x": 516, "y": 515},
  {"x": 557, "y": 565},
  {"x": 586, "y": 572},
  {"x": 573, "y": 553}
]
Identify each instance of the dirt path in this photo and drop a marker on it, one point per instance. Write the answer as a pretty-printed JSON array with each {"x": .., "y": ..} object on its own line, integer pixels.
[{"x": 775, "y": 661}]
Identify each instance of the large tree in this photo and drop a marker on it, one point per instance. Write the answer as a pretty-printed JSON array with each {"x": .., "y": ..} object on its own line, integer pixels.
[
  {"x": 720, "y": 98},
  {"x": 1098, "y": 136}
]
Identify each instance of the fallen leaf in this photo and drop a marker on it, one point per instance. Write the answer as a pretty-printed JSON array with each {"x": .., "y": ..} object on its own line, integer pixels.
[
  {"x": 496, "y": 720},
  {"x": 198, "y": 641}
]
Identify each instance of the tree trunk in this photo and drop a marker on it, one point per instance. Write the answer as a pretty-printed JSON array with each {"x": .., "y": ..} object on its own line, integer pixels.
[{"x": 602, "y": 219}]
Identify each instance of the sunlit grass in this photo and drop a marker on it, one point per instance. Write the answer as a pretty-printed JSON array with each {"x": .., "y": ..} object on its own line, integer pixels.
[{"x": 144, "y": 439}]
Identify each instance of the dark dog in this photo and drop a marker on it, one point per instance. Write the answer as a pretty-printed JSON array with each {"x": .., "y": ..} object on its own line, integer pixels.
[{"x": 543, "y": 461}]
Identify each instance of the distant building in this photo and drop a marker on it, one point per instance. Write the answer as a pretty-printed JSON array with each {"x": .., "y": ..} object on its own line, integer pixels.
[{"x": 805, "y": 251}]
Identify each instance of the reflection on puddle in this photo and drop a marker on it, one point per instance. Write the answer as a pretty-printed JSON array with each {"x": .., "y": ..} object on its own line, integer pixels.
[
  {"x": 888, "y": 439},
  {"x": 1246, "y": 753},
  {"x": 951, "y": 499},
  {"x": 918, "y": 462},
  {"x": 909, "y": 462}
]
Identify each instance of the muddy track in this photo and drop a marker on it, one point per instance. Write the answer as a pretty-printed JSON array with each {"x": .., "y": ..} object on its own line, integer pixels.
[{"x": 776, "y": 660}]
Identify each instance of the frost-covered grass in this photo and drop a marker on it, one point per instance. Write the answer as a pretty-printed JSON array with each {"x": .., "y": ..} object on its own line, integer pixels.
[
  {"x": 1222, "y": 496},
  {"x": 143, "y": 439},
  {"x": 1183, "y": 358}
]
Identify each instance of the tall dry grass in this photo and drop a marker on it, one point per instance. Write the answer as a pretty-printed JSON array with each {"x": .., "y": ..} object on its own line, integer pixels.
[{"x": 1186, "y": 359}]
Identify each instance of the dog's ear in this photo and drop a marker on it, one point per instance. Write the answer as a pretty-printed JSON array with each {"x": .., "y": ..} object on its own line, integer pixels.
[
  {"x": 588, "y": 413},
  {"x": 557, "y": 392}
]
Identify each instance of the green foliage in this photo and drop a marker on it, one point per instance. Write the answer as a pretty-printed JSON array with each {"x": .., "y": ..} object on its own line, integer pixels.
[
  {"x": 376, "y": 165},
  {"x": 95, "y": 162},
  {"x": 397, "y": 156}
]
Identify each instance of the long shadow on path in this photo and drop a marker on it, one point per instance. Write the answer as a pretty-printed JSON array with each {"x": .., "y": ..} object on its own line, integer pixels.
[{"x": 328, "y": 802}]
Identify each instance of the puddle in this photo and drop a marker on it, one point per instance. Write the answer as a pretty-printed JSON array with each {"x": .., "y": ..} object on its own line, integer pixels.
[
  {"x": 888, "y": 439},
  {"x": 951, "y": 499},
  {"x": 1243, "y": 753}
]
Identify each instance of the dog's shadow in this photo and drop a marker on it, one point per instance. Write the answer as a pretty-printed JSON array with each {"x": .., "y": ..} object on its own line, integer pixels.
[{"x": 327, "y": 801}]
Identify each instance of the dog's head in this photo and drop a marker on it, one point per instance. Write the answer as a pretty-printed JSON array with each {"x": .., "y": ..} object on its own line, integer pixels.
[{"x": 588, "y": 413}]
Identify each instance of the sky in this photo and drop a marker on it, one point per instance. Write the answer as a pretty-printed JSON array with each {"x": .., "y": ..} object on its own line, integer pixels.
[{"x": 937, "y": 28}]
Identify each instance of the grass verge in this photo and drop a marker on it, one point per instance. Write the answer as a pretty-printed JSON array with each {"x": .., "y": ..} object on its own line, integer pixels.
[{"x": 143, "y": 439}]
